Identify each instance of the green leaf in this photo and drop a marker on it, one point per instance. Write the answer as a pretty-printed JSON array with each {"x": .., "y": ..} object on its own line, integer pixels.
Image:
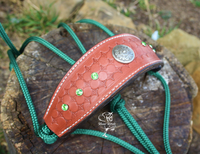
[{"x": 165, "y": 14}]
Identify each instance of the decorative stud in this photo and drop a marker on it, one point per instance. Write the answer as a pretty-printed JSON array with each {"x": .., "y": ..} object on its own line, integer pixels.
[
  {"x": 150, "y": 46},
  {"x": 144, "y": 44},
  {"x": 65, "y": 107},
  {"x": 94, "y": 76},
  {"x": 120, "y": 52},
  {"x": 154, "y": 50},
  {"x": 79, "y": 92}
]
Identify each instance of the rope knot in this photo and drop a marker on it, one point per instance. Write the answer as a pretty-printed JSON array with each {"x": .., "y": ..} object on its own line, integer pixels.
[
  {"x": 116, "y": 103},
  {"x": 47, "y": 135}
]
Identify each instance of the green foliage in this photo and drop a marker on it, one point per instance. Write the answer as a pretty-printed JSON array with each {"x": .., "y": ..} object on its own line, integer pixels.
[
  {"x": 127, "y": 12},
  {"x": 32, "y": 22},
  {"x": 124, "y": 10},
  {"x": 142, "y": 5},
  {"x": 165, "y": 14},
  {"x": 196, "y": 2},
  {"x": 164, "y": 30},
  {"x": 112, "y": 3}
]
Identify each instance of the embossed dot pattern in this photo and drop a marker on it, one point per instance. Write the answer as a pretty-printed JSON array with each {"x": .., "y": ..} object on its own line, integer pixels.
[{"x": 111, "y": 76}]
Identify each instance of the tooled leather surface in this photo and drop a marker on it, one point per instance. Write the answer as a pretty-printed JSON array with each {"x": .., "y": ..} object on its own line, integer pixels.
[{"x": 112, "y": 75}]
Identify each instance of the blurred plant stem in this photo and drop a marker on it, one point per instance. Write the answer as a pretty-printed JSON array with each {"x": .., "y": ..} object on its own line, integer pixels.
[{"x": 149, "y": 12}]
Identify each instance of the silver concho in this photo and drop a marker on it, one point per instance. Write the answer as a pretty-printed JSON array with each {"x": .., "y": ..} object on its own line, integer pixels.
[{"x": 123, "y": 54}]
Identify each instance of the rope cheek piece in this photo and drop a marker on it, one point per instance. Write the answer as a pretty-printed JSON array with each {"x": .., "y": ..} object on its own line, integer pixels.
[{"x": 130, "y": 53}]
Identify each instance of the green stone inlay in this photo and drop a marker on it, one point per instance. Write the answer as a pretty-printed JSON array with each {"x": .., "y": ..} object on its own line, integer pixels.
[
  {"x": 65, "y": 107},
  {"x": 154, "y": 50},
  {"x": 144, "y": 44},
  {"x": 151, "y": 46},
  {"x": 94, "y": 76},
  {"x": 79, "y": 92}
]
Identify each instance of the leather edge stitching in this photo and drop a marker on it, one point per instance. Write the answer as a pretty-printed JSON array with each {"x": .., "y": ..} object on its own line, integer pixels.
[
  {"x": 71, "y": 70},
  {"x": 106, "y": 96}
]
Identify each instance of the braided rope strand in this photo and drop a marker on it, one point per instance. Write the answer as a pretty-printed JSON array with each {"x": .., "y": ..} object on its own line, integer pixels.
[
  {"x": 167, "y": 111},
  {"x": 89, "y": 21},
  {"x": 73, "y": 35},
  {"x": 110, "y": 138},
  {"x": 5, "y": 37},
  {"x": 48, "y": 45},
  {"x": 117, "y": 105}
]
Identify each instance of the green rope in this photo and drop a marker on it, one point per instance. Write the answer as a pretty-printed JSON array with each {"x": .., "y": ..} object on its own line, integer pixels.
[
  {"x": 48, "y": 136},
  {"x": 134, "y": 123},
  {"x": 44, "y": 132},
  {"x": 109, "y": 137},
  {"x": 16, "y": 53},
  {"x": 116, "y": 105},
  {"x": 104, "y": 28},
  {"x": 73, "y": 35},
  {"x": 8, "y": 42},
  {"x": 48, "y": 45},
  {"x": 167, "y": 111}
]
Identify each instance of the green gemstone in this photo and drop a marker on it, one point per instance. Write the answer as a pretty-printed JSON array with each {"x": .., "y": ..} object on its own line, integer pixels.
[
  {"x": 94, "y": 76},
  {"x": 151, "y": 46},
  {"x": 65, "y": 107},
  {"x": 154, "y": 50},
  {"x": 144, "y": 44},
  {"x": 79, "y": 92}
]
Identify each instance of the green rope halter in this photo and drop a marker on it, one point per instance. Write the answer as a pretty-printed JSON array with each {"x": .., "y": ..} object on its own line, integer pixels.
[{"x": 116, "y": 105}]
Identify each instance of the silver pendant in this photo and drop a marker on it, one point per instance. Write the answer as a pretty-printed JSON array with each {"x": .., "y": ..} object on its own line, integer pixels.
[{"x": 123, "y": 54}]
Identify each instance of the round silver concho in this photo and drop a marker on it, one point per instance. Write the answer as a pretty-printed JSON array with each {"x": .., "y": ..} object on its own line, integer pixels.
[{"x": 123, "y": 54}]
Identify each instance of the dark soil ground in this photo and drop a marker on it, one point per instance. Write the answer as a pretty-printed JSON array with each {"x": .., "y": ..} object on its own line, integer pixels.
[
  {"x": 183, "y": 13},
  {"x": 164, "y": 14}
]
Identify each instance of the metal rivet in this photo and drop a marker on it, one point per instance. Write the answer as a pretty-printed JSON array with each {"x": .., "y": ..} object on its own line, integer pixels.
[
  {"x": 79, "y": 92},
  {"x": 94, "y": 76},
  {"x": 65, "y": 107},
  {"x": 144, "y": 44}
]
